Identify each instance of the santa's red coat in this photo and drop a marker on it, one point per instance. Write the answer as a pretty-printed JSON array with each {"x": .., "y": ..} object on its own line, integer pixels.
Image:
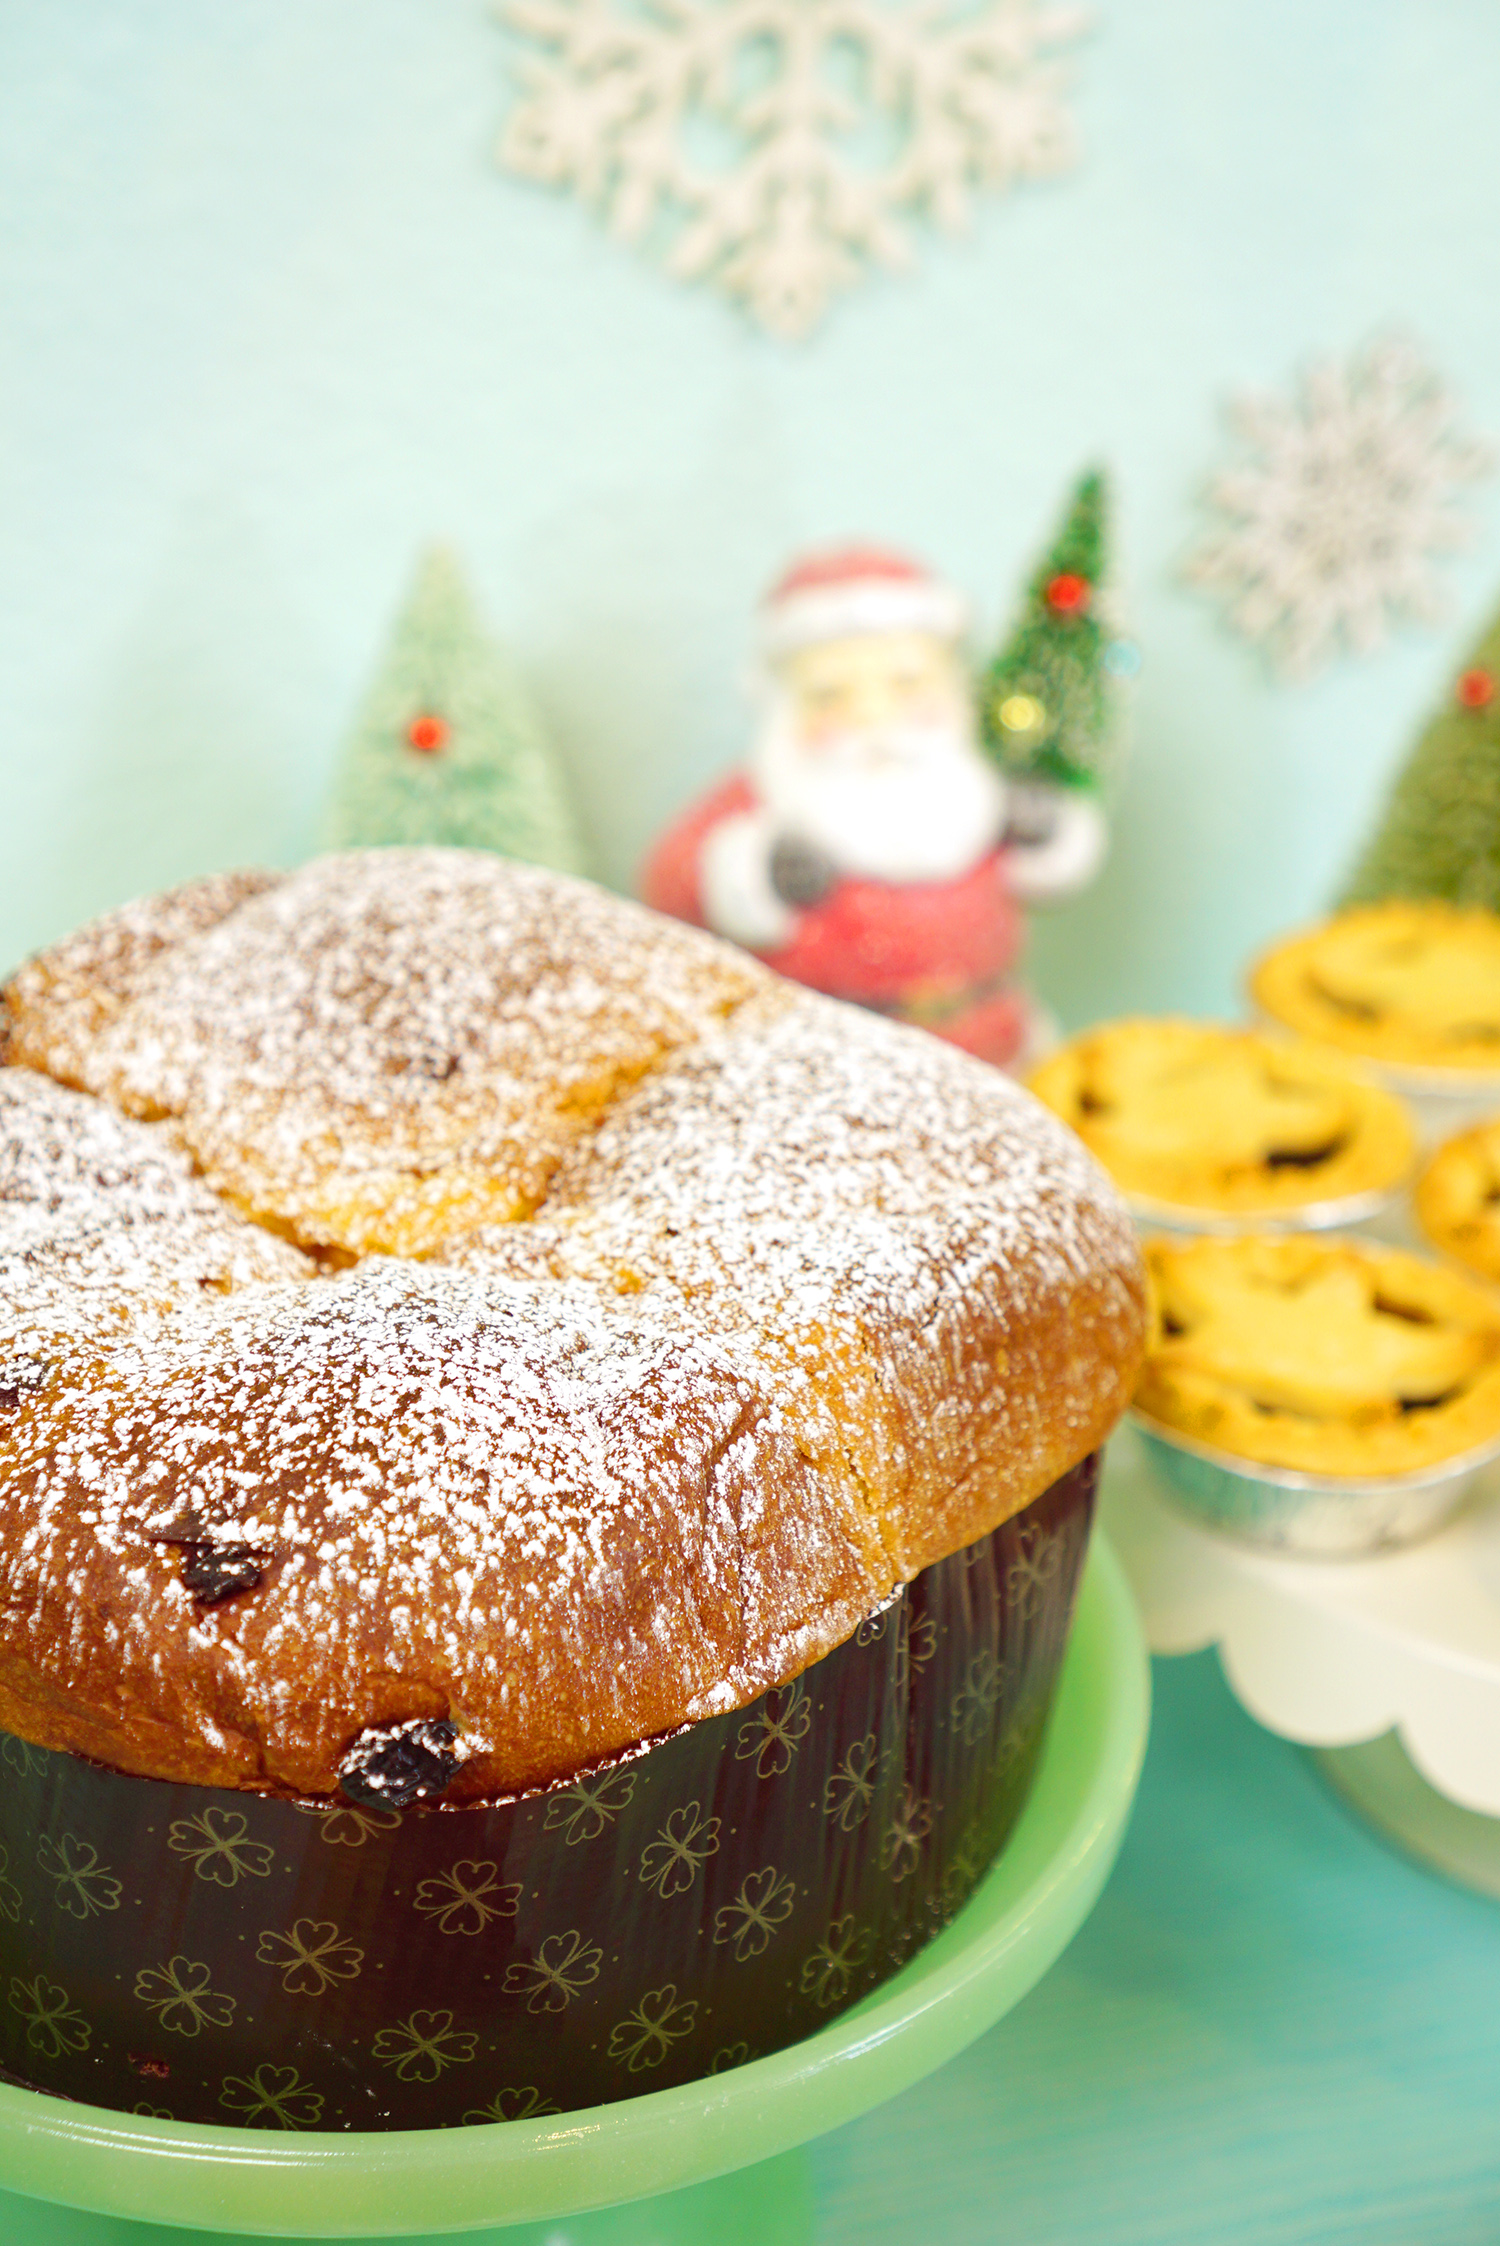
[{"x": 935, "y": 951}]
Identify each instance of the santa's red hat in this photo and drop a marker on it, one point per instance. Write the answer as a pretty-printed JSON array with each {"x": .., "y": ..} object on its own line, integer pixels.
[{"x": 855, "y": 589}]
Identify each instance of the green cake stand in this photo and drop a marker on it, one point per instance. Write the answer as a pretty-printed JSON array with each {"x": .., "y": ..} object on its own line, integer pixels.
[{"x": 715, "y": 2160}]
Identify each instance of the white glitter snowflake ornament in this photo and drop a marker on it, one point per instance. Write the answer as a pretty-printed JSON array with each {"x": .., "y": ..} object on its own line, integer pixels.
[
  {"x": 776, "y": 147},
  {"x": 1334, "y": 525}
]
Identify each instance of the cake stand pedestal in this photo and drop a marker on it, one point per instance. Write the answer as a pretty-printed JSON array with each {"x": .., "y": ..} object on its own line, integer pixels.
[
  {"x": 673, "y": 2153},
  {"x": 1387, "y": 1666}
]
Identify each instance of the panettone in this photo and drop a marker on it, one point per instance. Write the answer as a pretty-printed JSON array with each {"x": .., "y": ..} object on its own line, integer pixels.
[{"x": 455, "y": 1325}]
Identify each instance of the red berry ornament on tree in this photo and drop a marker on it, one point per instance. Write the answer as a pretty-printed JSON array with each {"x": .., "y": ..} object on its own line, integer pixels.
[
  {"x": 446, "y": 749},
  {"x": 1049, "y": 702},
  {"x": 1440, "y": 832},
  {"x": 427, "y": 733},
  {"x": 1068, "y": 594}
]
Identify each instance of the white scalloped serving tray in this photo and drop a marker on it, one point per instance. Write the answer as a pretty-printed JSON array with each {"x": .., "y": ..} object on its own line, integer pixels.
[{"x": 1330, "y": 1652}]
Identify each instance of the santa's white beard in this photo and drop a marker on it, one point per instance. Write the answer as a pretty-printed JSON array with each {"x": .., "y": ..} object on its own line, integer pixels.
[{"x": 910, "y": 803}]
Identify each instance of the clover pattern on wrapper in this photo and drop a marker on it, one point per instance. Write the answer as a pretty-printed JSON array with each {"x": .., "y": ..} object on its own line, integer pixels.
[{"x": 301, "y": 1966}]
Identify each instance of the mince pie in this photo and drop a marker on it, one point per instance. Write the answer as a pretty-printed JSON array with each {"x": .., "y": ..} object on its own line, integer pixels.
[
  {"x": 1217, "y": 1121},
  {"x": 1323, "y": 1355},
  {"x": 1415, "y": 983},
  {"x": 1458, "y": 1198}
]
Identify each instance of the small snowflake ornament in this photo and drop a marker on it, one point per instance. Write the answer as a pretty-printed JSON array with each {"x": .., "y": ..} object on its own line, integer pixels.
[
  {"x": 778, "y": 146},
  {"x": 1334, "y": 524}
]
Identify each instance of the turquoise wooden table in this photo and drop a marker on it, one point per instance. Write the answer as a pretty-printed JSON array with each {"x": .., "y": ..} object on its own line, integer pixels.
[{"x": 1270, "y": 2032}]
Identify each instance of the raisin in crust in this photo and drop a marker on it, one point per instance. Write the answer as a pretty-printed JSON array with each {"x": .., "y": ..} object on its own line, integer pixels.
[{"x": 462, "y": 1307}]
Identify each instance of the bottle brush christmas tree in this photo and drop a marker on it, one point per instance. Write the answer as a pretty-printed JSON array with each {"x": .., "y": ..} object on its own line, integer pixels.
[
  {"x": 1440, "y": 836},
  {"x": 1048, "y": 700},
  {"x": 447, "y": 747}
]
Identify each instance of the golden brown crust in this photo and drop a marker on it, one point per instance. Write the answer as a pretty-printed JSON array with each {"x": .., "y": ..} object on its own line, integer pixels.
[
  {"x": 368, "y": 1072},
  {"x": 1415, "y": 983},
  {"x": 1458, "y": 1198},
  {"x": 500, "y": 1507},
  {"x": 1197, "y": 1116},
  {"x": 1323, "y": 1355},
  {"x": 63, "y": 1001},
  {"x": 941, "y": 1304},
  {"x": 795, "y": 1302}
]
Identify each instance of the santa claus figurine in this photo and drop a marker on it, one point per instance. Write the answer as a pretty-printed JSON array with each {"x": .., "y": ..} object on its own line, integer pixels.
[{"x": 870, "y": 849}]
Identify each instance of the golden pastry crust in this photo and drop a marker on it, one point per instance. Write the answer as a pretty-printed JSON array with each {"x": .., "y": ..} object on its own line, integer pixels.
[
  {"x": 1458, "y": 1198},
  {"x": 1416, "y": 984},
  {"x": 788, "y": 1303},
  {"x": 1197, "y": 1116},
  {"x": 78, "y": 986},
  {"x": 99, "y": 1212},
  {"x": 365, "y": 1076},
  {"x": 1320, "y": 1354}
]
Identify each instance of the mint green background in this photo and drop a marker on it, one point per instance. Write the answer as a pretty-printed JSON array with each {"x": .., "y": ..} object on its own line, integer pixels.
[{"x": 269, "y": 318}]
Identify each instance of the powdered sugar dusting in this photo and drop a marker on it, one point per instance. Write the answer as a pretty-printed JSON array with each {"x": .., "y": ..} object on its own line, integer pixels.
[
  {"x": 83, "y": 982},
  {"x": 67, "y": 1163},
  {"x": 100, "y": 1216},
  {"x": 875, "y": 1226},
  {"x": 393, "y": 1045},
  {"x": 789, "y": 1302},
  {"x": 511, "y": 1506}
]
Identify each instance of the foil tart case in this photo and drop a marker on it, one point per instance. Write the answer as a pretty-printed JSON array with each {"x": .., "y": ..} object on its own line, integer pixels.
[
  {"x": 1442, "y": 1100},
  {"x": 1332, "y": 1215},
  {"x": 211, "y": 1955},
  {"x": 1308, "y": 1516}
]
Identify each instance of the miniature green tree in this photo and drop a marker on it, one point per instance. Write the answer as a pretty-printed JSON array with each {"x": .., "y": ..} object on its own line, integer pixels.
[
  {"x": 1440, "y": 836},
  {"x": 447, "y": 747},
  {"x": 1048, "y": 699}
]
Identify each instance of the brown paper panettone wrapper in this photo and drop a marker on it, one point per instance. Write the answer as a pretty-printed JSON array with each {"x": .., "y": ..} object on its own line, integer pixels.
[{"x": 227, "y": 1957}]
